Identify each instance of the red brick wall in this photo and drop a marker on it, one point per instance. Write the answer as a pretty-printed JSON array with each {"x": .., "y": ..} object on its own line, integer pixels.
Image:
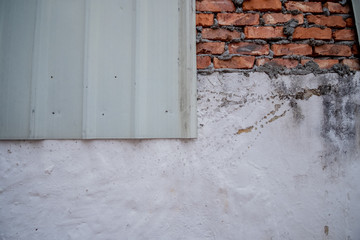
[{"x": 233, "y": 34}]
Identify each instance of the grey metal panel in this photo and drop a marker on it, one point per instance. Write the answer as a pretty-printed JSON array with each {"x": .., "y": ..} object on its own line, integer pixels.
[
  {"x": 356, "y": 9},
  {"x": 110, "y": 74},
  {"x": 17, "y": 22},
  {"x": 101, "y": 69},
  {"x": 63, "y": 76},
  {"x": 156, "y": 92}
]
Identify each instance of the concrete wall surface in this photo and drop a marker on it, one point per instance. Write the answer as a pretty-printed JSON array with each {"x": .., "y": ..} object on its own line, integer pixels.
[{"x": 274, "y": 159}]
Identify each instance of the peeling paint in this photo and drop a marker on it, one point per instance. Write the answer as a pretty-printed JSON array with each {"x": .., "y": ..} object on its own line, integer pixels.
[
  {"x": 276, "y": 117},
  {"x": 245, "y": 130},
  {"x": 326, "y": 230}
]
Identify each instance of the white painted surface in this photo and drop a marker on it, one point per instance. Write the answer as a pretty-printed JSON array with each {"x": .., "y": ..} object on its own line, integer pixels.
[{"x": 286, "y": 180}]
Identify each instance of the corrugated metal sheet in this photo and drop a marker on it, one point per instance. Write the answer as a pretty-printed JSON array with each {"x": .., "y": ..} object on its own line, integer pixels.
[
  {"x": 74, "y": 69},
  {"x": 356, "y": 9}
]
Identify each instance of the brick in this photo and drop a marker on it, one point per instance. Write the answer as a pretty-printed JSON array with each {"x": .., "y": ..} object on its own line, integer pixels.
[
  {"x": 353, "y": 64},
  {"x": 219, "y": 34},
  {"x": 291, "y": 49},
  {"x": 238, "y": 19},
  {"x": 355, "y": 49},
  {"x": 204, "y": 19},
  {"x": 350, "y": 22},
  {"x": 288, "y": 63},
  {"x": 344, "y": 35},
  {"x": 262, "y": 5},
  {"x": 215, "y": 5},
  {"x": 248, "y": 48},
  {"x": 337, "y": 7},
  {"x": 313, "y": 7},
  {"x": 263, "y": 32},
  {"x": 275, "y": 18},
  {"x": 323, "y": 63},
  {"x": 246, "y": 62},
  {"x": 314, "y": 32},
  {"x": 210, "y": 48},
  {"x": 203, "y": 62},
  {"x": 331, "y": 21},
  {"x": 333, "y": 50}
]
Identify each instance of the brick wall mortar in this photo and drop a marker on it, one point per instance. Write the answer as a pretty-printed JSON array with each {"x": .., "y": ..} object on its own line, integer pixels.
[{"x": 323, "y": 33}]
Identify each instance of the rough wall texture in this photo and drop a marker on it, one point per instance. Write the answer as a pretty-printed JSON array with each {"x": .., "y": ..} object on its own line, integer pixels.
[
  {"x": 277, "y": 156},
  {"x": 248, "y": 34},
  {"x": 274, "y": 159}
]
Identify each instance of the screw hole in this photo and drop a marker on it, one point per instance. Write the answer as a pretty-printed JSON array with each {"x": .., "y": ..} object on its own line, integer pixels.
[
  {"x": 53, "y": 112},
  {"x": 51, "y": 76}
]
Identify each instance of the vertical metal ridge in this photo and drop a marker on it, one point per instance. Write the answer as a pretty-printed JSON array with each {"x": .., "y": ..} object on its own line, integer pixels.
[
  {"x": 35, "y": 72},
  {"x": 187, "y": 69},
  {"x": 33, "y": 109},
  {"x": 85, "y": 117},
  {"x": 140, "y": 118},
  {"x": 38, "y": 103},
  {"x": 133, "y": 71}
]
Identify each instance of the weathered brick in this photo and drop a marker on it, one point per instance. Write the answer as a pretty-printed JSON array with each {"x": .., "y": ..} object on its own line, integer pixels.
[
  {"x": 331, "y": 21},
  {"x": 355, "y": 49},
  {"x": 314, "y": 32},
  {"x": 291, "y": 49},
  {"x": 337, "y": 7},
  {"x": 313, "y": 7},
  {"x": 288, "y": 63},
  {"x": 235, "y": 62},
  {"x": 219, "y": 34},
  {"x": 263, "y": 32},
  {"x": 238, "y": 19},
  {"x": 323, "y": 63},
  {"x": 248, "y": 48},
  {"x": 215, "y": 5},
  {"x": 210, "y": 48},
  {"x": 262, "y": 5},
  {"x": 204, "y": 19},
  {"x": 203, "y": 62},
  {"x": 326, "y": 63},
  {"x": 344, "y": 35},
  {"x": 333, "y": 50},
  {"x": 275, "y": 18},
  {"x": 353, "y": 64},
  {"x": 350, "y": 22}
]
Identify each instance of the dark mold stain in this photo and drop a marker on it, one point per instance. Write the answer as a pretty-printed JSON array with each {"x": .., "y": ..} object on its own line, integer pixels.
[
  {"x": 296, "y": 110},
  {"x": 340, "y": 125},
  {"x": 340, "y": 116}
]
